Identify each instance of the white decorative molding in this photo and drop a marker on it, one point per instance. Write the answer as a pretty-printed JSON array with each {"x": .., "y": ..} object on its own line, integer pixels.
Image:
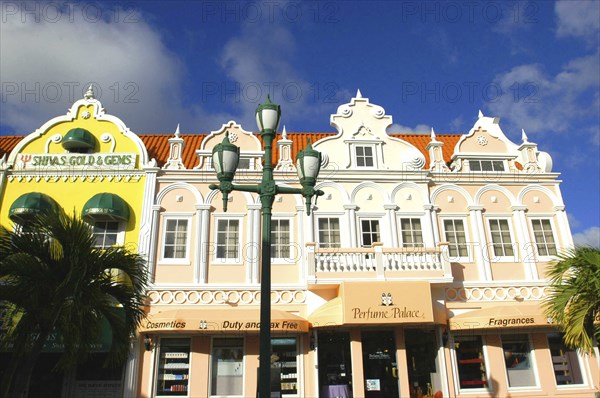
[
  {"x": 82, "y": 175},
  {"x": 107, "y": 137},
  {"x": 497, "y": 293},
  {"x": 56, "y": 138},
  {"x": 235, "y": 297}
]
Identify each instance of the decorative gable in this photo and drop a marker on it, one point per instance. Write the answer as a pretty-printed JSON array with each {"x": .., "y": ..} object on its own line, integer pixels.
[
  {"x": 362, "y": 142},
  {"x": 486, "y": 148},
  {"x": 86, "y": 138},
  {"x": 250, "y": 147}
]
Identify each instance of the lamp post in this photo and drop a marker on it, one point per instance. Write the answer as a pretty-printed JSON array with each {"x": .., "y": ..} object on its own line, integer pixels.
[{"x": 308, "y": 163}]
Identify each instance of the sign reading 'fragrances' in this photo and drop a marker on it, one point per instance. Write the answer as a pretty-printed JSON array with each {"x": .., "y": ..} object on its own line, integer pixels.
[
  {"x": 525, "y": 321},
  {"x": 119, "y": 161},
  {"x": 387, "y": 302}
]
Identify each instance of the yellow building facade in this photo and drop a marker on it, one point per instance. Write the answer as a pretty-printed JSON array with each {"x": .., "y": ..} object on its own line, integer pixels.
[{"x": 87, "y": 163}]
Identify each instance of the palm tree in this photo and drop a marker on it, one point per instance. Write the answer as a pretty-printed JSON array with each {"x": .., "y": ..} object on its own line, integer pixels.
[
  {"x": 574, "y": 300},
  {"x": 54, "y": 279}
]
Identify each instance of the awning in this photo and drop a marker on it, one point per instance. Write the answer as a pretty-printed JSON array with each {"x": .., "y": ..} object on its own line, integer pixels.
[
  {"x": 510, "y": 316},
  {"x": 106, "y": 206},
  {"x": 30, "y": 205},
  {"x": 225, "y": 320},
  {"x": 329, "y": 314},
  {"x": 361, "y": 303},
  {"x": 78, "y": 139}
]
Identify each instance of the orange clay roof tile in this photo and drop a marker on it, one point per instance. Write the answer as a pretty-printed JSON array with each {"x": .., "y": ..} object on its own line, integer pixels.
[{"x": 158, "y": 145}]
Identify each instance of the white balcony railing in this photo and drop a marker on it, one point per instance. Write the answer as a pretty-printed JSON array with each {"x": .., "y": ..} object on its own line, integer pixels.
[{"x": 381, "y": 262}]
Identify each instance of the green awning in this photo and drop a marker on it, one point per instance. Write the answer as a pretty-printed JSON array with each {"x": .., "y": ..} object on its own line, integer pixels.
[
  {"x": 106, "y": 206},
  {"x": 30, "y": 205},
  {"x": 78, "y": 139}
]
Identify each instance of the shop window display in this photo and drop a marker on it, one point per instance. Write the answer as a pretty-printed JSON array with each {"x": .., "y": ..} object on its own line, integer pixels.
[
  {"x": 517, "y": 357},
  {"x": 471, "y": 362},
  {"x": 285, "y": 363},
  {"x": 227, "y": 367},
  {"x": 173, "y": 367}
]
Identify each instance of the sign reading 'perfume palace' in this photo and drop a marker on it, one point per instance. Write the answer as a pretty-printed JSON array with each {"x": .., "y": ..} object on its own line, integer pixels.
[{"x": 402, "y": 302}]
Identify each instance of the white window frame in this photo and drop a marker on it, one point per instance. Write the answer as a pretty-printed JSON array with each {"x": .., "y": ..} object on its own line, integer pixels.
[
  {"x": 536, "y": 376},
  {"x": 489, "y": 246},
  {"x": 293, "y": 255},
  {"x": 120, "y": 241},
  {"x": 468, "y": 242},
  {"x": 400, "y": 230},
  {"x": 554, "y": 236},
  {"x": 340, "y": 219},
  {"x": 355, "y": 156},
  {"x": 491, "y": 160},
  {"x": 165, "y": 219},
  {"x": 360, "y": 229},
  {"x": 210, "y": 365},
  {"x": 218, "y": 260},
  {"x": 484, "y": 350}
]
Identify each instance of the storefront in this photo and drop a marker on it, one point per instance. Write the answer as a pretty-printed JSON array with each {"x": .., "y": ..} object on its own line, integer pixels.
[
  {"x": 184, "y": 346},
  {"x": 513, "y": 349},
  {"x": 379, "y": 340}
]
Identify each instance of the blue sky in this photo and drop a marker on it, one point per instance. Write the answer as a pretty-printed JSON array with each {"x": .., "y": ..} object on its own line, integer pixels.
[{"x": 535, "y": 64}]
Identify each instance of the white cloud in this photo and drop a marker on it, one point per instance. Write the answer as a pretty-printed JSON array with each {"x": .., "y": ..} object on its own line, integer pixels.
[
  {"x": 573, "y": 222},
  {"x": 589, "y": 237},
  {"x": 537, "y": 102},
  {"x": 46, "y": 65},
  {"x": 243, "y": 59},
  {"x": 578, "y": 18},
  {"x": 400, "y": 129}
]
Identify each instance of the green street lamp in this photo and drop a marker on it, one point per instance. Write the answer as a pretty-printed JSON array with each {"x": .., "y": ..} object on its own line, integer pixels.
[{"x": 308, "y": 163}]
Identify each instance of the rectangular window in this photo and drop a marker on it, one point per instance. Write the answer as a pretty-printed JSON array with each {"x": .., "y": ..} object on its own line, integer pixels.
[
  {"x": 105, "y": 233},
  {"x": 176, "y": 239},
  {"x": 370, "y": 232},
  {"x": 412, "y": 235},
  {"x": 173, "y": 367},
  {"x": 544, "y": 239},
  {"x": 456, "y": 237},
  {"x": 228, "y": 239},
  {"x": 285, "y": 363},
  {"x": 501, "y": 241},
  {"x": 227, "y": 367},
  {"x": 471, "y": 362},
  {"x": 517, "y": 357},
  {"x": 280, "y": 239},
  {"x": 565, "y": 361},
  {"x": 329, "y": 232},
  {"x": 364, "y": 156},
  {"x": 486, "y": 165}
]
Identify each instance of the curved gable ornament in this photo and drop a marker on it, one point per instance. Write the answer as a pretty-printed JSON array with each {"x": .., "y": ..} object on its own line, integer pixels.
[
  {"x": 484, "y": 131},
  {"x": 361, "y": 123},
  {"x": 81, "y": 108}
]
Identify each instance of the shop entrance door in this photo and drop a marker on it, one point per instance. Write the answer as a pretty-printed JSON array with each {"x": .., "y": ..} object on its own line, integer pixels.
[
  {"x": 379, "y": 364},
  {"x": 421, "y": 353}
]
